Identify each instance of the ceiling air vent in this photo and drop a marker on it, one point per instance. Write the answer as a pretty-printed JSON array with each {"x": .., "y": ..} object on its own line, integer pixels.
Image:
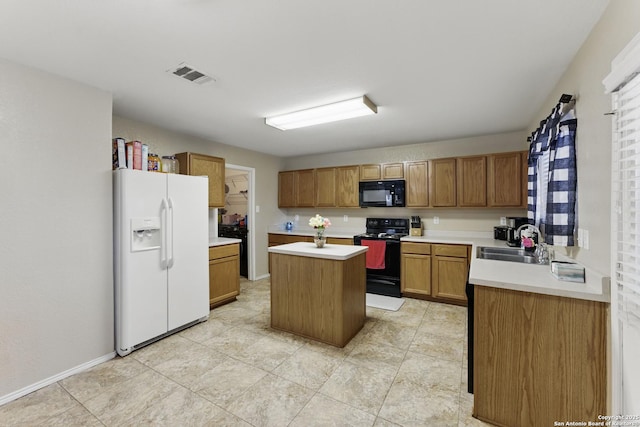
[{"x": 188, "y": 72}]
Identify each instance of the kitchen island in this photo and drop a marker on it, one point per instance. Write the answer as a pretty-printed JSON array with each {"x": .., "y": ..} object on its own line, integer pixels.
[{"x": 318, "y": 293}]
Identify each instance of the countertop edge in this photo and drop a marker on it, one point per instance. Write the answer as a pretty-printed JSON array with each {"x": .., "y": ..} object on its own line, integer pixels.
[
  {"x": 309, "y": 250},
  {"x": 221, "y": 241}
]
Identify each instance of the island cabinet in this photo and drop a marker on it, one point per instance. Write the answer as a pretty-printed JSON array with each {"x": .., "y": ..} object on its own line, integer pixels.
[
  {"x": 417, "y": 184},
  {"x": 415, "y": 269},
  {"x": 504, "y": 181},
  {"x": 347, "y": 186},
  {"x": 224, "y": 274},
  {"x": 449, "y": 270},
  {"x": 538, "y": 359},
  {"x": 472, "y": 181},
  {"x": 443, "y": 182},
  {"x": 275, "y": 239},
  {"x": 212, "y": 167},
  {"x": 318, "y": 293}
]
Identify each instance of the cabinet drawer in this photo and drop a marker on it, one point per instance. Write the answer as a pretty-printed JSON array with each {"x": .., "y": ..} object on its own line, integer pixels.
[
  {"x": 416, "y": 248},
  {"x": 224, "y": 251},
  {"x": 459, "y": 251}
]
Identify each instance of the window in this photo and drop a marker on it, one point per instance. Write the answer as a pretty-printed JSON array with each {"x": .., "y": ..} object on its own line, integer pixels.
[{"x": 624, "y": 82}]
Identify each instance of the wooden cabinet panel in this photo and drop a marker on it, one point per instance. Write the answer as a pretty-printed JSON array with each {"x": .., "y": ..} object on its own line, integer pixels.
[
  {"x": 417, "y": 184},
  {"x": 212, "y": 167},
  {"x": 370, "y": 172},
  {"x": 325, "y": 190},
  {"x": 415, "y": 274},
  {"x": 505, "y": 179},
  {"x": 392, "y": 171},
  {"x": 472, "y": 181},
  {"x": 339, "y": 240},
  {"x": 449, "y": 268},
  {"x": 304, "y": 184},
  {"x": 538, "y": 359},
  {"x": 443, "y": 182},
  {"x": 224, "y": 274},
  {"x": 347, "y": 182},
  {"x": 275, "y": 239},
  {"x": 415, "y": 248},
  {"x": 286, "y": 190},
  {"x": 525, "y": 178}
]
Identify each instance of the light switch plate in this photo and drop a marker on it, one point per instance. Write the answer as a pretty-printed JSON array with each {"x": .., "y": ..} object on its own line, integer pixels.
[
  {"x": 585, "y": 239},
  {"x": 296, "y": 218},
  {"x": 580, "y": 237}
]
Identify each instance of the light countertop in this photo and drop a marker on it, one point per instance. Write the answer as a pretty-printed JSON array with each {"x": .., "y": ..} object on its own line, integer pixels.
[
  {"x": 220, "y": 241},
  {"x": 329, "y": 251},
  {"x": 521, "y": 277},
  {"x": 308, "y": 231}
]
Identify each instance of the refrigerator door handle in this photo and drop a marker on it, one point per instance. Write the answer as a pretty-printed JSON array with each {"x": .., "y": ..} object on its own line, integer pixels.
[
  {"x": 170, "y": 234},
  {"x": 164, "y": 218}
]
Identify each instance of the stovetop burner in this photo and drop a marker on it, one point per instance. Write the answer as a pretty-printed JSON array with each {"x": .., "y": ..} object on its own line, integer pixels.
[
  {"x": 394, "y": 236},
  {"x": 386, "y": 228}
]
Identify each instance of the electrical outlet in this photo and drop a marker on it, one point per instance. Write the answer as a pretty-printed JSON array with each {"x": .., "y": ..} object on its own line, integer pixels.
[
  {"x": 580, "y": 237},
  {"x": 345, "y": 218},
  {"x": 296, "y": 218},
  {"x": 436, "y": 220},
  {"x": 585, "y": 239},
  {"x": 503, "y": 220}
]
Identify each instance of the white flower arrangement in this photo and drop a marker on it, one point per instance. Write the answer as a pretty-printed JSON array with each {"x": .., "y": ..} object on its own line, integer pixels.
[{"x": 319, "y": 224}]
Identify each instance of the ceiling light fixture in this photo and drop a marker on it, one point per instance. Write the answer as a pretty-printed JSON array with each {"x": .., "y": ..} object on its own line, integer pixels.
[{"x": 342, "y": 110}]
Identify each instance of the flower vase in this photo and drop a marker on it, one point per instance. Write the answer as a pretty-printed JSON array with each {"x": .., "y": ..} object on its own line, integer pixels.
[{"x": 320, "y": 242}]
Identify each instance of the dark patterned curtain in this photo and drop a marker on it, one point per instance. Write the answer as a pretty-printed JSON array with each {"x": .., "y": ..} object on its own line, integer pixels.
[{"x": 553, "y": 175}]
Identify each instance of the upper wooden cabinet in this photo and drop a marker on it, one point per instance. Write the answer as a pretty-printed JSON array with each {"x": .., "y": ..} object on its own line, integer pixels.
[
  {"x": 305, "y": 186},
  {"x": 286, "y": 196},
  {"x": 505, "y": 179},
  {"x": 417, "y": 184},
  {"x": 347, "y": 185},
  {"x": 381, "y": 171},
  {"x": 392, "y": 170},
  {"x": 525, "y": 178},
  {"x": 325, "y": 191},
  {"x": 443, "y": 182},
  {"x": 213, "y": 167},
  {"x": 472, "y": 181}
]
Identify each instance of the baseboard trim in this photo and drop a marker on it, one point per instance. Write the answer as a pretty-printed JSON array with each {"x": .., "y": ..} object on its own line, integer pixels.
[
  {"x": 264, "y": 276},
  {"x": 55, "y": 378}
]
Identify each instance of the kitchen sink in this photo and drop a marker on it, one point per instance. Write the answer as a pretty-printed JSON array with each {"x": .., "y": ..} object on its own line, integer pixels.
[{"x": 507, "y": 254}]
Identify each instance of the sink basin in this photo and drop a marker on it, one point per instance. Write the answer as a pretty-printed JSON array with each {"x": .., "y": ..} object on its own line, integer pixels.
[{"x": 507, "y": 254}]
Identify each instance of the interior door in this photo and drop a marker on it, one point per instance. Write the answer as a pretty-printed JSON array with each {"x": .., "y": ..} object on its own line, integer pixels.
[
  {"x": 141, "y": 280},
  {"x": 188, "y": 273}
]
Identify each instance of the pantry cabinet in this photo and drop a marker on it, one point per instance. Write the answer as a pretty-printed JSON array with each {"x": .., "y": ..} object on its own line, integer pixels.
[
  {"x": 472, "y": 181},
  {"x": 325, "y": 187},
  {"x": 224, "y": 274},
  {"x": 449, "y": 270},
  {"x": 417, "y": 184},
  {"x": 213, "y": 167},
  {"x": 443, "y": 182},
  {"x": 505, "y": 176},
  {"x": 415, "y": 269},
  {"x": 347, "y": 184}
]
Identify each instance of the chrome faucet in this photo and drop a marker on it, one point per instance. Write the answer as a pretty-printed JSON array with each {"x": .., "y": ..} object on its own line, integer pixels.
[{"x": 542, "y": 252}]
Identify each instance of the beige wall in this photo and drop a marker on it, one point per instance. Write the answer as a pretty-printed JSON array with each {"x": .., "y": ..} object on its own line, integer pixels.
[
  {"x": 583, "y": 78},
  {"x": 164, "y": 142},
  {"x": 56, "y": 269},
  {"x": 482, "y": 220}
]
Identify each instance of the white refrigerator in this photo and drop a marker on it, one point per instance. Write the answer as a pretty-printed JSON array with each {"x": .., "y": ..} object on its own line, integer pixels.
[{"x": 161, "y": 263}]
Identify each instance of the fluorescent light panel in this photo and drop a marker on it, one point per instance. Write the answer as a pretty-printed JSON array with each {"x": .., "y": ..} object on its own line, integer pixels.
[{"x": 342, "y": 110}]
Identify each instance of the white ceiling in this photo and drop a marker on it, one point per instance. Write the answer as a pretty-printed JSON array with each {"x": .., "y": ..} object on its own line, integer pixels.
[{"x": 436, "y": 69}]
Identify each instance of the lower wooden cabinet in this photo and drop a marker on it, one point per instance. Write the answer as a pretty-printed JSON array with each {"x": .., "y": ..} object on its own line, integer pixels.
[
  {"x": 436, "y": 272},
  {"x": 224, "y": 274},
  {"x": 276, "y": 239},
  {"x": 449, "y": 269},
  {"x": 415, "y": 269},
  {"x": 539, "y": 360}
]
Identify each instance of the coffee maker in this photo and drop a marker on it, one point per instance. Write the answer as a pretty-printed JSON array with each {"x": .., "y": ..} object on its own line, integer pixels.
[
  {"x": 513, "y": 223},
  {"x": 416, "y": 226}
]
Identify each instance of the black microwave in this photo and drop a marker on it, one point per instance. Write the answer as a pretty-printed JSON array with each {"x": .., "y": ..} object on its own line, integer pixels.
[{"x": 382, "y": 193}]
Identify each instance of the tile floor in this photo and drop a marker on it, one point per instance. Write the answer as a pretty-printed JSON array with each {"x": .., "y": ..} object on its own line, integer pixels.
[{"x": 404, "y": 368}]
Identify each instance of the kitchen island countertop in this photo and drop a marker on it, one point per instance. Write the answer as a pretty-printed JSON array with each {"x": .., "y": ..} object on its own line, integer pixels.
[{"x": 329, "y": 251}]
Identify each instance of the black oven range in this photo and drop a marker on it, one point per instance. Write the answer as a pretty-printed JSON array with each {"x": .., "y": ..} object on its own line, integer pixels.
[{"x": 383, "y": 257}]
